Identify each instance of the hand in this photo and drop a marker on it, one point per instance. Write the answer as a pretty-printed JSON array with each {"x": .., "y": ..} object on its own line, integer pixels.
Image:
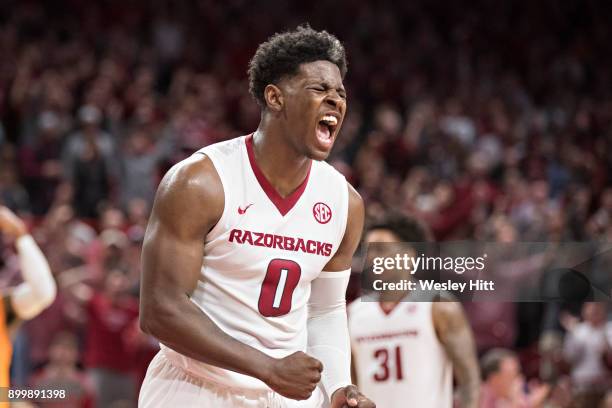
[
  {"x": 295, "y": 376},
  {"x": 11, "y": 224},
  {"x": 350, "y": 396},
  {"x": 568, "y": 321},
  {"x": 537, "y": 394},
  {"x": 517, "y": 395}
]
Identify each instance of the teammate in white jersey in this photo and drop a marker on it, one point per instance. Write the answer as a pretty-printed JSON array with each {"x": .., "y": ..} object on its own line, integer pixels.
[
  {"x": 405, "y": 352},
  {"x": 248, "y": 250}
]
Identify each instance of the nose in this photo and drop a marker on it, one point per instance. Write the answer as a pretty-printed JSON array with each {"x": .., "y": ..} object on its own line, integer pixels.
[
  {"x": 330, "y": 100},
  {"x": 334, "y": 100}
]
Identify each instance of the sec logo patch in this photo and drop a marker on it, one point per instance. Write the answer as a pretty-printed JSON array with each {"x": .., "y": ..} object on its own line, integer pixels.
[{"x": 322, "y": 213}]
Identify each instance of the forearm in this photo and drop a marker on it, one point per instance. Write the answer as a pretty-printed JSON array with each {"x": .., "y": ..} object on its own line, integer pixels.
[
  {"x": 332, "y": 349},
  {"x": 328, "y": 336},
  {"x": 457, "y": 340},
  {"x": 469, "y": 393},
  {"x": 182, "y": 326},
  {"x": 38, "y": 289},
  {"x": 461, "y": 350}
]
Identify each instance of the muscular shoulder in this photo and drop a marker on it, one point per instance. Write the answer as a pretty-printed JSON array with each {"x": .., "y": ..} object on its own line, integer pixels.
[
  {"x": 190, "y": 192},
  {"x": 194, "y": 175}
]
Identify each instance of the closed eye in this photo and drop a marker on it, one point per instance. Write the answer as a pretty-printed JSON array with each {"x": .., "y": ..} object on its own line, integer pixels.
[{"x": 340, "y": 92}]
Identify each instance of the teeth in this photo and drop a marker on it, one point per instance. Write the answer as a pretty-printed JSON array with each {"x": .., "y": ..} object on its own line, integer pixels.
[{"x": 330, "y": 120}]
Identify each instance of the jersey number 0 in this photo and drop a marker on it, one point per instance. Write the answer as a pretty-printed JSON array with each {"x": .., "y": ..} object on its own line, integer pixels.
[{"x": 282, "y": 277}]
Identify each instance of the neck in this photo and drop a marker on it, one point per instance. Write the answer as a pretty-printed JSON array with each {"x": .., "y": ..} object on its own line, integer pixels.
[
  {"x": 390, "y": 300},
  {"x": 284, "y": 167}
]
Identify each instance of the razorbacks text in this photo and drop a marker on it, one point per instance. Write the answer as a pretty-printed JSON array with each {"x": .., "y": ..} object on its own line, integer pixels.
[{"x": 279, "y": 241}]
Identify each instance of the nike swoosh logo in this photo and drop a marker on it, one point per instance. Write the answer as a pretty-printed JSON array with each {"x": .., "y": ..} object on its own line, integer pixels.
[{"x": 241, "y": 211}]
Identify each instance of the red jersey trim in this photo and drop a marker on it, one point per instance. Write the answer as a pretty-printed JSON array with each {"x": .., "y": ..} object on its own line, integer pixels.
[
  {"x": 284, "y": 205},
  {"x": 388, "y": 311}
]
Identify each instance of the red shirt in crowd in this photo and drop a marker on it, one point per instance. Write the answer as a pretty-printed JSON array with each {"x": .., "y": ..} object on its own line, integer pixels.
[
  {"x": 107, "y": 323},
  {"x": 77, "y": 386}
]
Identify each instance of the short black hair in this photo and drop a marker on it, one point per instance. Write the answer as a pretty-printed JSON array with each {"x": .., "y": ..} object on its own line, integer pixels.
[
  {"x": 490, "y": 363},
  {"x": 283, "y": 53},
  {"x": 406, "y": 227}
]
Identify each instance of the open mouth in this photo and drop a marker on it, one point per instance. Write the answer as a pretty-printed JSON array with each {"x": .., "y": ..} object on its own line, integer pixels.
[{"x": 326, "y": 129}]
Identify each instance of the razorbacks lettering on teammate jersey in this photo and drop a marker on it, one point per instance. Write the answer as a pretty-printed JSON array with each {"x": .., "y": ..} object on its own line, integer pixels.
[
  {"x": 262, "y": 255},
  {"x": 398, "y": 358}
]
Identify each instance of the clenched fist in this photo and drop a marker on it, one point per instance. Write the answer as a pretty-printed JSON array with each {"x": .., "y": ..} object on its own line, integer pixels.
[
  {"x": 295, "y": 376},
  {"x": 349, "y": 397}
]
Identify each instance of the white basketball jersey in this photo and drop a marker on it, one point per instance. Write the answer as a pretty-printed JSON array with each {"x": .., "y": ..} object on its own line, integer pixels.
[
  {"x": 398, "y": 358},
  {"x": 262, "y": 255}
]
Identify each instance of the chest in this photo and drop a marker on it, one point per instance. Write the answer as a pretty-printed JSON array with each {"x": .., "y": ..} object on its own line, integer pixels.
[
  {"x": 257, "y": 230},
  {"x": 373, "y": 326}
]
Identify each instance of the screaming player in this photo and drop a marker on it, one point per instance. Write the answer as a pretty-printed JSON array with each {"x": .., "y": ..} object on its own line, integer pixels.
[{"x": 248, "y": 250}]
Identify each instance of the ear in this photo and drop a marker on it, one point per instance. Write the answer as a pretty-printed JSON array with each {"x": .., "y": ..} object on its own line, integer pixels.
[{"x": 274, "y": 98}]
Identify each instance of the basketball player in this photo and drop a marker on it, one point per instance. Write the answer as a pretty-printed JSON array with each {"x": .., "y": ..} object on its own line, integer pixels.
[
  {"x": 405, "y": 352},
  {"x": 248, "y": 250},
  {"x": 29, "y": 298}
]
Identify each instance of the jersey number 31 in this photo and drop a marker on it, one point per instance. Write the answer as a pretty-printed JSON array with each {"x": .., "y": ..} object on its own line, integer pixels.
[{"x": 282, "y": 277}]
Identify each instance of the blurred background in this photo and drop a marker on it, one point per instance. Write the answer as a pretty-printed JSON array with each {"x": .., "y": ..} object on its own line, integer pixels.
[{"x": 487, "y": 120}]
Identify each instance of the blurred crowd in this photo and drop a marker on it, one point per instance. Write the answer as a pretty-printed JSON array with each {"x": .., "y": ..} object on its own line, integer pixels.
[{"x": 487, "y": 120}]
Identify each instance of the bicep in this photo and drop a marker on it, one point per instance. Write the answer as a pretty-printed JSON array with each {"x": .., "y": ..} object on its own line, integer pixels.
[
  {"x": 170, "y": 262},
  {"x": 188, "y": 203}
]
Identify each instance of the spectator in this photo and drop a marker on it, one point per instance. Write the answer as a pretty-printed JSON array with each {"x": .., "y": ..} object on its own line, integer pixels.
[
  {"x": 503, "y": 383},
  {"x": 41, "y": 163},
  {"x": 586, "y": 345},
  {"x": 12, "y": 194},
  {"x": 88, "y": 158},
  {"x": 139, "y": 163},
  {"x": 62, "y": 373},
  {"x": 111, "y": 313}
]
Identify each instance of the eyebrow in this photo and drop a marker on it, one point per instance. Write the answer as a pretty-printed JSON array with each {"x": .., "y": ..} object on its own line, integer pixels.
[{"x": 325, "y": 84}]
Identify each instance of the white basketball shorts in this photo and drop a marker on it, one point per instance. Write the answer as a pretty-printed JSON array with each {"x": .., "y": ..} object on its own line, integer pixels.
[{"x": 167, "y": 385}]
